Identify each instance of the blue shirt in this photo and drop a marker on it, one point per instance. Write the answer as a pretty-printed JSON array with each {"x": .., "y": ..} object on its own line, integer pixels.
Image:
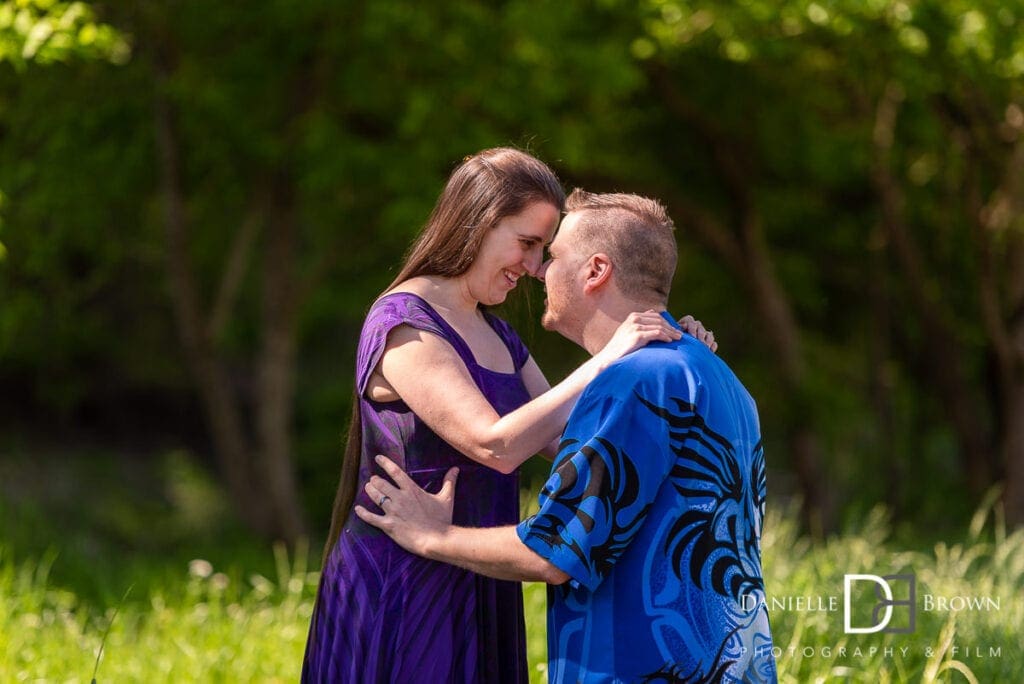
[{"x": 654, "y": 508}]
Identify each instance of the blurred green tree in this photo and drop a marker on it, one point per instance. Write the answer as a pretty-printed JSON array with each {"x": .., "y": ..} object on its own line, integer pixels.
[
  {"x": 45, "y": 31},
  {"x": 49, "y": 31},
  {"x": 214, "y": 215},
  {"x": 907, "y": 118},
  {"x": 273, "y": 161}
]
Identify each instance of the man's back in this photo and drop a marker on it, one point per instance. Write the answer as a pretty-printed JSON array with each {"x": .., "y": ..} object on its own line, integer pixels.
[{"x": 655, "y": 509}]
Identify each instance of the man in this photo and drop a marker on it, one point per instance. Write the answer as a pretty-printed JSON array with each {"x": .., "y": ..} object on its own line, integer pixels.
[{"x": 649, "y": 525}]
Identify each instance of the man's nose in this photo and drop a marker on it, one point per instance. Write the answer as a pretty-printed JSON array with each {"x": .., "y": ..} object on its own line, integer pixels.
[{"x": 541, "y": 270}]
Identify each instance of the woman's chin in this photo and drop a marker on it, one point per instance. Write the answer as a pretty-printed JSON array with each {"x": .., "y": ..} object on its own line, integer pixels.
[{"x": 497, "y": 297}]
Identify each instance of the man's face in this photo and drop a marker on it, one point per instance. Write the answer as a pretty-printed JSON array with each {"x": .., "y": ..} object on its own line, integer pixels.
[{"x": 563, "y": 282}]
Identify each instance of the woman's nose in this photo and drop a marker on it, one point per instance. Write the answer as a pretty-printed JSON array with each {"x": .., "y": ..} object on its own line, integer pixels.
[{"x": 533, "y": 264}]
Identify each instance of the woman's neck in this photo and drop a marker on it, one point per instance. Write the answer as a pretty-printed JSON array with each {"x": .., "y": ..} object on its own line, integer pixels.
[{"x": 450, "y": 294}]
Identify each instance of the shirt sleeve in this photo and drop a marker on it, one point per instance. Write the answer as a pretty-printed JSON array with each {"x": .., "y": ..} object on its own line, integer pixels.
[{"x": 606, "y": 477}]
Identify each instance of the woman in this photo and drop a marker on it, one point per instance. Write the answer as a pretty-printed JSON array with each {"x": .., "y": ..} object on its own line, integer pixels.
[{"x": 440, "y": 382}]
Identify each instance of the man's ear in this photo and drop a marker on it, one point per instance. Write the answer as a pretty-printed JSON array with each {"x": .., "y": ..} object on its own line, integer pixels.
[{"x": 598, "y": 271}]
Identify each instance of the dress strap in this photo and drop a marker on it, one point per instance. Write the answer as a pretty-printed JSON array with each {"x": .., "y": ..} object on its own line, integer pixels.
[
  {"x": 391, "y": 311},
  {"x": 511, "y": 339}
]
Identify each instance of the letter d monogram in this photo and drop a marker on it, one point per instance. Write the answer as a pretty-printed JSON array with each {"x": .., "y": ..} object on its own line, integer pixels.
[{"x": 887, "y": 604}]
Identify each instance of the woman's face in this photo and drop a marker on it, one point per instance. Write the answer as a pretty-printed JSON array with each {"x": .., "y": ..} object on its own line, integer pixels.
[{"x": 510, "y": 250}]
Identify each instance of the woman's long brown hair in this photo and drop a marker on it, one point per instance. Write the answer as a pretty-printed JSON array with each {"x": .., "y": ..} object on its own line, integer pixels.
[{"x": 485, "y": 188}]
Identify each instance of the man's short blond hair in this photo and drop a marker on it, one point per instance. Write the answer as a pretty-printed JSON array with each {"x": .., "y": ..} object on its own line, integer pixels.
[{"x": 637, "y": 235}]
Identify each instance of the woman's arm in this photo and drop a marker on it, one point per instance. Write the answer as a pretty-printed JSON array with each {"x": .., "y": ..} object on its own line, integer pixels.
[
  {"x": 429, "y": 376},
  {"x": 537, "y": 384}
]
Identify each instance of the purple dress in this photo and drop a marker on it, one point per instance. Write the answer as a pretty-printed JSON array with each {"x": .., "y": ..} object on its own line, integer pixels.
[{"x": 383, "y": 614}]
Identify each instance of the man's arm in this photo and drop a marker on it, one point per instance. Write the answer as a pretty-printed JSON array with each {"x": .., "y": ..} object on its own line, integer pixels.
[
  {"x": 496, "y": 552},
  {"x": 420, "y": 522}
]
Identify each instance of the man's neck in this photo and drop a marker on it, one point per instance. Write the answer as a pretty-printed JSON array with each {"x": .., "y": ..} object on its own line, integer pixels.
[{"x": 601, "y": 327}]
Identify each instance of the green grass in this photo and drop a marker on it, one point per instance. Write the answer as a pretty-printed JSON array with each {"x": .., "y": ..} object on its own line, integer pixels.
[
  {"x": 535, "y": 600},
  {"x": 208, "y": 626},
  {"x": 204, "y": 627},
  {"x": 954, "y": 646},
  {"x": 239, "y": 612}
]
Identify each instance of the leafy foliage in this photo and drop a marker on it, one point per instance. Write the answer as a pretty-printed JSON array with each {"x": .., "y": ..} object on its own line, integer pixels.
[
  {"x": 47, "y": 31},
  {"x": 757, "y": 122}
]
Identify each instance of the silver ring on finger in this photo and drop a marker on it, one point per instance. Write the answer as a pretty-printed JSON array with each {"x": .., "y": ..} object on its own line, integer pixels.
[{"x": 383, "y": 498}]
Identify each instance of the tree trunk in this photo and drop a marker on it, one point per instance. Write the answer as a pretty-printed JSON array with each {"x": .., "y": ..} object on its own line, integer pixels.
[
  {"x": 944, "y": 356},
  {"x": 782, "y": 330},
  {"x": 880, "y": 372},
  {"x": 999, "y": 245},
  {"x": 276, "y": 365},
  {"x": 256, "y": 468},
  {"x": 1012, "y": 437},
  {"x": 231, "y": 447},
  {"x": 1013, "y": 456}
]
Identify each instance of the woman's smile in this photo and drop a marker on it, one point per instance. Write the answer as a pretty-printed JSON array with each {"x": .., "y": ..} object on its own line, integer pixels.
[{"x": 511, "y": 277}]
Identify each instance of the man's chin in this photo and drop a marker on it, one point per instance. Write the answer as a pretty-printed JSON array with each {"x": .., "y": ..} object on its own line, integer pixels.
[{"x": 547, "y": 321}]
